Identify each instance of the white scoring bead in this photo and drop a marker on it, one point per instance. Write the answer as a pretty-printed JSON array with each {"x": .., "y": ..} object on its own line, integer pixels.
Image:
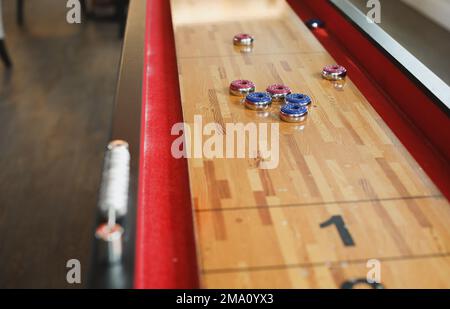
[{"x": 115, "y": 180}]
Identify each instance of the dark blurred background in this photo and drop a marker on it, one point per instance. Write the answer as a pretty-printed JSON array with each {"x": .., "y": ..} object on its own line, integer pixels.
[{"x": 55, "y": 115}]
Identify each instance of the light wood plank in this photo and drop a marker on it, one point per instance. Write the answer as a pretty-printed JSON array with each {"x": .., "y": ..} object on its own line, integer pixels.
[{"x": 343, "y": 160}]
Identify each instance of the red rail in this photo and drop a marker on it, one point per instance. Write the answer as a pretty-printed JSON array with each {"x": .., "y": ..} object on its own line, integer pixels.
[{"x": 165, "y": 247}]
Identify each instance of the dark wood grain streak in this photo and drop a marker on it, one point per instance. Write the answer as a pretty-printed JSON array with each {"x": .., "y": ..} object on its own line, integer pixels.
[
  {"x": 263, "y": 211},
  {"x": 303, "y": 167},
  {"x": 215, "y": 109},
  {"x": 214, "y": 197}
]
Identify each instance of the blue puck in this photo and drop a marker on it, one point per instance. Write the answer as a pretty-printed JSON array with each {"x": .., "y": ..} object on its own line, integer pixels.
[
  {"x": 298, "y": 98},
  {"x": 258, "y": 100},
  {"x": 292, "y": 112},
  {"x": 259, "y": 97}
]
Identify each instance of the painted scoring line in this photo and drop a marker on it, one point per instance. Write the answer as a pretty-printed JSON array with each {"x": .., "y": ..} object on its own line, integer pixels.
[
  {"x": 389, "y": 199},
  {"x": 318, "y": 264},
  {"x": 254, "y": 54}
]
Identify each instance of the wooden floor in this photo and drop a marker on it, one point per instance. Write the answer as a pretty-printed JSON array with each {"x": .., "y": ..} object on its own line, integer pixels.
[
  {"x": 260, "y": 228},
  {"x": 55, "y": 117}
]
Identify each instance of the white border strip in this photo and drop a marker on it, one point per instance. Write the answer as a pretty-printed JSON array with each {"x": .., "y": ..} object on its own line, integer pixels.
[{"x": 430, "y": 80}]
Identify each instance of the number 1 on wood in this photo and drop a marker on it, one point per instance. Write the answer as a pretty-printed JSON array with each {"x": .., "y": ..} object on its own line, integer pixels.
[{"x": 342, "y": 229}]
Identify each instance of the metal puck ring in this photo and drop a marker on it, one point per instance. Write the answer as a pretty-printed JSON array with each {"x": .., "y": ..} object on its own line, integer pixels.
[
  {"x": 242, "y": 87},
  {"x": 243, "y": 39},
  {"x": 278, "y": 92},
  {"x": 334, "y": 72},
  {"x": 292, "y": 112},
  {"x": 258, "y": 101},
  {"x": 110, "y": 240},
  {"x": 298, "y": 98}
]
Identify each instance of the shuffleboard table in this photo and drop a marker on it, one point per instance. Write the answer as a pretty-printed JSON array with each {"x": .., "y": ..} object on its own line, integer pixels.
[{"x": 363, "y": 180}]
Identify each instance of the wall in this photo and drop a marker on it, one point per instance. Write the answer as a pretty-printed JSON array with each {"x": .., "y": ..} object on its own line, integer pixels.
[{"x": 437, "y": 10}]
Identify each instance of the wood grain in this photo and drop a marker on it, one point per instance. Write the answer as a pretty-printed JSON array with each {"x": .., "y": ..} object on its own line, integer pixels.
[{"x": 260, "y": 228}]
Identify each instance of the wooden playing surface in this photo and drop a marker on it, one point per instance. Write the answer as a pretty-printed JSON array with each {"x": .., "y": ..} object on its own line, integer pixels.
[{"x": 260, "y": 228}]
